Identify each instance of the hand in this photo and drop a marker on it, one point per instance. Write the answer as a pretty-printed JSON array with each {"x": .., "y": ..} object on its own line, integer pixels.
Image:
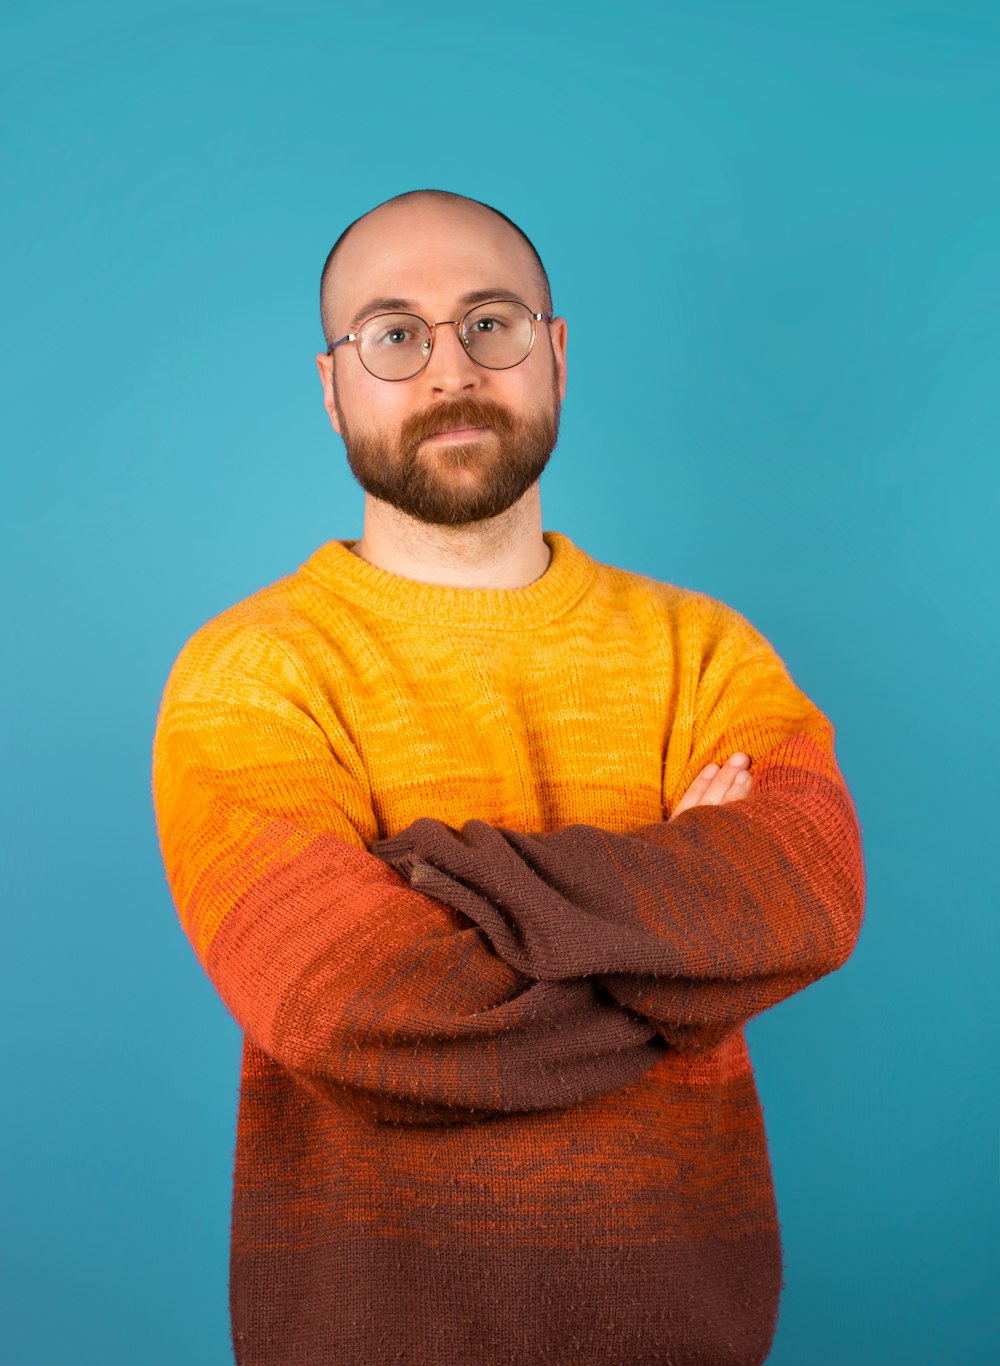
[{"x": 715, "y": 786}]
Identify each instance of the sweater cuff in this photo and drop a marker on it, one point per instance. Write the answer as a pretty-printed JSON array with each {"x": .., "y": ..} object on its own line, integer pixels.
[{"x": 398, "y": 852}]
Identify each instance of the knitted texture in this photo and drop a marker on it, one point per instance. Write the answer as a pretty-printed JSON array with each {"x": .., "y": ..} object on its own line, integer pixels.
[{"x": 496, "y": 1103}]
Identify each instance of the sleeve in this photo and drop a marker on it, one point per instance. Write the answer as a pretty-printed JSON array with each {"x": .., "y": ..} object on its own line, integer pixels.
[
  {"x": 373, "y": 995},
  {"x": 700, "y": 922}
]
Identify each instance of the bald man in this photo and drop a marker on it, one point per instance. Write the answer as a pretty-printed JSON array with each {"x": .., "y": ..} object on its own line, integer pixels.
[
  {"x": 449, "y": 457},
  {"x": 462, "y": 826}
]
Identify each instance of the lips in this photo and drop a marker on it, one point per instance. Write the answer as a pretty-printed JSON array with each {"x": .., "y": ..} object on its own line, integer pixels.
[
  {"x": 456, "y": 431},
  {"x": 458, "y": 422}
]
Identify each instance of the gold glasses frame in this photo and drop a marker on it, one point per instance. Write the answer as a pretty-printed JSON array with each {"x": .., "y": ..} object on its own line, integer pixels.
[{"x": 457, "y": 323}]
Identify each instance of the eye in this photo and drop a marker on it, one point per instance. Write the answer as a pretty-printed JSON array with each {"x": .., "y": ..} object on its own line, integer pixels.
[
  {"x": 391, "y": 332},
  {"x": 394, "y": 336},
  {"x": 488, "y": 324}
]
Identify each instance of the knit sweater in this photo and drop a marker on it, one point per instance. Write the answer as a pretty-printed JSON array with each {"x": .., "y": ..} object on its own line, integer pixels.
[{"x": 496, "y": 1102}]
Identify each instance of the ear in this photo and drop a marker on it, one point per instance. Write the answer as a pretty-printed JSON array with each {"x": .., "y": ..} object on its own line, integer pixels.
[
  {"x": 324, "y": 364},
  {"x": 557, "y": 331}
]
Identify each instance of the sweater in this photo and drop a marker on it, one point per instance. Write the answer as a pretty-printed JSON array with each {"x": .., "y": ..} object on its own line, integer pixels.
[{"x": 496, "y": 1104}]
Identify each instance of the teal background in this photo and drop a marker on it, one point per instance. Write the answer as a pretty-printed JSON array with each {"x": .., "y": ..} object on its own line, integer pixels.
[{"x": 796, "y": 207}]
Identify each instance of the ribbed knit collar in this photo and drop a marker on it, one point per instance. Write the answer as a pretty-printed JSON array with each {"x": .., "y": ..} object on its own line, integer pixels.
[{"x": 569, "y": 573}]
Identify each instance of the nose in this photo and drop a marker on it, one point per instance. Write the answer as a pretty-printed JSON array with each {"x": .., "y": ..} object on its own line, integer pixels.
[{"x": 450, "y": 369}]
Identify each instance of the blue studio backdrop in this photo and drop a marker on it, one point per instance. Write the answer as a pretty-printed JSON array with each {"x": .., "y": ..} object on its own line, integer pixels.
[{"x": 773, "y": 230}]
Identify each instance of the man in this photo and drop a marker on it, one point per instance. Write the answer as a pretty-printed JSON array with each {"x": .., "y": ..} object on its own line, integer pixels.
[{"x": 460, "y": 822}]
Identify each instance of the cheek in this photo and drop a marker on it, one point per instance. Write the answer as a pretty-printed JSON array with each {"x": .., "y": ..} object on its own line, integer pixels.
[
  {"x": 375, "y": 405},
  {"x": 537, "y": 394},
  {"x": 537, "y": 381},
  {"x": 517, "y": 388}
]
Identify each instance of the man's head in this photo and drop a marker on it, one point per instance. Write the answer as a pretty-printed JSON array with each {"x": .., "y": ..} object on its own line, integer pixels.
[{"x": 426, "y": 249}]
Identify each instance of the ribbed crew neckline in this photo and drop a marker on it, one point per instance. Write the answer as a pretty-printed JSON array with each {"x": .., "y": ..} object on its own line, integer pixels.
[{"x": 567, "y": 577}]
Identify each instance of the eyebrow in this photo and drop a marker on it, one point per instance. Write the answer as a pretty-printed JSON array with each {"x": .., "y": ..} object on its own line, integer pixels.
[{"x": 385, "y": 304}]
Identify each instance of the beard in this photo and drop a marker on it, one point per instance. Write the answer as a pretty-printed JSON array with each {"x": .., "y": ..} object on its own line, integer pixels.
[{"x": 429, "y": 482}]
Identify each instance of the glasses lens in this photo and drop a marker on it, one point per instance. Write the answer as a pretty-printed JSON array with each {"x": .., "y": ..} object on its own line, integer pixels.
[
  {"x": 394, "y": 345},
  {"x": 498, "y": 334}
]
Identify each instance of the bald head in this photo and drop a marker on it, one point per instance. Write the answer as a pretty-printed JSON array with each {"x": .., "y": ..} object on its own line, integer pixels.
[{"x": 401, "y": 239}]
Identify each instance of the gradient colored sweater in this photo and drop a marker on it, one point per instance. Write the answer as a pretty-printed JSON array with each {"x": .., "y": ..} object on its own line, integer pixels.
[{"x": 496, "y": 1105}]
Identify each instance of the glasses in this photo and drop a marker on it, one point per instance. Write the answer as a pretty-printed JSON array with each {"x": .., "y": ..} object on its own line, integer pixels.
[{"x": 498, "y": 334}]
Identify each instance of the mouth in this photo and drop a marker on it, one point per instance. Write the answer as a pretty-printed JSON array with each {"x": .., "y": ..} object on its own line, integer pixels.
[{"x": 459, "y": 434}]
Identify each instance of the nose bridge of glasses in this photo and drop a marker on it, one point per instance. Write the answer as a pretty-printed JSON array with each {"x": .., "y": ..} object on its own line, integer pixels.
[
  {"x": 456, "y": 323},
  {"x": 459, "y": 334}
]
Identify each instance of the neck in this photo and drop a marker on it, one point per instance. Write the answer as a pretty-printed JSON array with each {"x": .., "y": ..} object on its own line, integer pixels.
[{"x": 504, "y": 552}]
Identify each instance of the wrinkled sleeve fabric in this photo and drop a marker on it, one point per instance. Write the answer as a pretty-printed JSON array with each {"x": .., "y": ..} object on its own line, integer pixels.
[
  {"x": 696, "y": 923},
  {"x": 371, "y": 993}
]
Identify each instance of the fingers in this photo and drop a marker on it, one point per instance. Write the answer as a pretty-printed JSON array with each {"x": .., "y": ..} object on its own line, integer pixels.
[
  {"x": 739, "y": 787},
  {"x": 729, "y": 781},
  {"x": 715, "y": 786}
]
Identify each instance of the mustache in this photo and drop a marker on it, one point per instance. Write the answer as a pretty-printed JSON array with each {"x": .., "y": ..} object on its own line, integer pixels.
[{"x": 465, "y": 412}]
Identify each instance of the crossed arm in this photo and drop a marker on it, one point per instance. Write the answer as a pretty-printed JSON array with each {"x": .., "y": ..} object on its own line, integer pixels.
[
  {"x": 697, "y": 923},
  {"x": 374, "y": 996},
  {"x": 445, "y": 975}
]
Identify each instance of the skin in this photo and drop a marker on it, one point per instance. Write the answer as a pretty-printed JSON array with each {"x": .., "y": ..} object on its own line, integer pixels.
[
  {"x": 461, "y": 512},
  {"x": 464, "y": 513},
  {"x": 715, "y": 786}
]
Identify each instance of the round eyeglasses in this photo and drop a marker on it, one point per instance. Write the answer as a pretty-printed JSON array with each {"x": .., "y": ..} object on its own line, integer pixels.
[{"x": 497, "y": 334}]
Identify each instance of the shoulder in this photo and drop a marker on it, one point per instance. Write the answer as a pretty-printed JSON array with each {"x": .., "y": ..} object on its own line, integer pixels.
[
  {"x": 691, "y": 613},
  {"x": 255, "y": 638}
]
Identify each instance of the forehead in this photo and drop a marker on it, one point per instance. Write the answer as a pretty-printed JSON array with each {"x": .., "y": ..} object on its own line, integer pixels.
[{"x": 432, "y": 257}]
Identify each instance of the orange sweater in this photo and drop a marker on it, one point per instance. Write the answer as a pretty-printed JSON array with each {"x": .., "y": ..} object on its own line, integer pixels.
[{"x": 496, "y": 1106}]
